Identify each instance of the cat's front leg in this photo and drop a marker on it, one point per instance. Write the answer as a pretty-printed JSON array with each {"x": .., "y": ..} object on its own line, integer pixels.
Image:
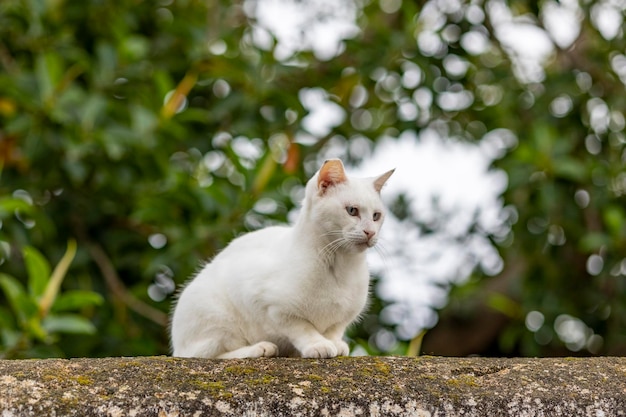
[
  {"x": 303, "y": 335},
  {"x": 325, "y": 349},
  {"x": 335, "y": 334},
  {"x": 322, "y": 349},
  {"x": 342, "y": 348},
  {"x": 311, "y": 344}
]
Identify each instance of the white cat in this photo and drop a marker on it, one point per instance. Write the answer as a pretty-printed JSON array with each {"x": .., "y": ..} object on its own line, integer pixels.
[{"x": 287, "y": 291}]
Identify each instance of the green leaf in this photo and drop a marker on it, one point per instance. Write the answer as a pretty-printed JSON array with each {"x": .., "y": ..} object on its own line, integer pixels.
[
  {"x": 68, "y": 323},
  {"x": 143, "y": 120},
  {"x": 11, "y": 287},
  {"x": 544, "y": 136},
  {"x": 22, "y": 305},
  {"x": 614, "y": 219},
  {"x": 592, "y": 242},
  {"x": 415, "y": 346},
  {"x": 135, "y": 47},
  {"x": 38, "y": 271},
  {"x": 570, "y": 169},
  {"x": 52, "y": 289},
  {"x": 34, "y": 328},
  {"x": 6, "y": 318},
  {"x": 93, "y": 108},
  {"x": 8, "y": 206},
  {"x": 48, "y": 67},
  {"x": 504, "y": 305},
  {"x": 9, "y": 338},
  {"x": 73, "y": 300}
]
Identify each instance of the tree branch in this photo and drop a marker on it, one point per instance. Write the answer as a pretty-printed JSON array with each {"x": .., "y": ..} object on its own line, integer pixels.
[{"x": 117, "y": 287}]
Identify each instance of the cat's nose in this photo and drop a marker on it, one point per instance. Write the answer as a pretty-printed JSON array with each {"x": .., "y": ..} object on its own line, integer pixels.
[{"x": 369, "y": 234}]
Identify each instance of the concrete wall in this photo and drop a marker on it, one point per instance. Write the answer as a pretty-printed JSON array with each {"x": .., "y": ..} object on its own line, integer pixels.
[{"x": 369, "y": 386}]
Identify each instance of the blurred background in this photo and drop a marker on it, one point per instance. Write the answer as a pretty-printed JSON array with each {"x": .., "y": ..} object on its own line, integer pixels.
[{"x": 137, "y": 138}]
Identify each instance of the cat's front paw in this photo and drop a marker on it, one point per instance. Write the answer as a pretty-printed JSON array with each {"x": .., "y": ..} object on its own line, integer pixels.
[
  {"x": 264, "y": 350},
  {"x": 325, "y": 349},
  {"x": 342, "y": 348}
]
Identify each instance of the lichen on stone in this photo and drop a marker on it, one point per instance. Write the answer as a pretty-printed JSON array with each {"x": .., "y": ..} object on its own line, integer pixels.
[{"x": 368, "y": 386}]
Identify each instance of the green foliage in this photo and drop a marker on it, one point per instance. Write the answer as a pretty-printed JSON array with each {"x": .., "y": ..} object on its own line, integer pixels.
[
  {"x": 150, "y": 133},
  {"x": 38, "y": 314}
]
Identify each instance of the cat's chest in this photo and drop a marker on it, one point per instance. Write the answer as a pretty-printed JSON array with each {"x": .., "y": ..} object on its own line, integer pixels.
[
  {"x": 335, "y": 292},
  {"x": 343, "y": 275}
]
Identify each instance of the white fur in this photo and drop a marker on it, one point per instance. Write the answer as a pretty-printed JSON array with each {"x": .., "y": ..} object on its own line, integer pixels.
[{"x": 288, "y": 291}]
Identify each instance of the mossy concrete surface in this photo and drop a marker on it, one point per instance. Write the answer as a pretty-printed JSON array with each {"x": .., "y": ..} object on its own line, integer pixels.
[{"x": 368, "y": 386}]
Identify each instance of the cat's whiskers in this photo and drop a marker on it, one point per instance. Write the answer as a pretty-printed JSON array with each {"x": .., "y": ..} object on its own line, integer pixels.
[
  {"x": 357, "y": 238},
  {"x": 331, "y": 233},
  {"x": 344, "y": 241},
  {"x": 327, "y": 253},
  {"x": 329, "y": 250},
  {"x": 382, "y": 251},
  {"x": 335, "y": 235}
]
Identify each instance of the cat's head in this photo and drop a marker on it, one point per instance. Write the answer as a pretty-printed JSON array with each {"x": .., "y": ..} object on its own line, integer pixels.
[{"x": 347, "y": 212}]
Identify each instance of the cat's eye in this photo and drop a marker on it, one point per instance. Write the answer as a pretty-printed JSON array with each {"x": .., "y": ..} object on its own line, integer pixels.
[
  {"x": 352, "y": 211},
  {"x": 376, "y": 216}
]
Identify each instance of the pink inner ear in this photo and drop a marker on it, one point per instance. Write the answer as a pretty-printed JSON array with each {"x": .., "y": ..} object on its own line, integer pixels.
[{"x": 331, "y": 173}]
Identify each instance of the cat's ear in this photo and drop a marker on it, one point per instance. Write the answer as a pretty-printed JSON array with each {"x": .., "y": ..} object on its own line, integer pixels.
[
  {"x": 380, "y": 181},
  {"x": 331, "y": 173}
]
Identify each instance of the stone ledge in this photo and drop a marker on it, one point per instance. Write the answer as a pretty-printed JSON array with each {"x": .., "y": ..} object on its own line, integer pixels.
[{"x": 367, "y": 386}]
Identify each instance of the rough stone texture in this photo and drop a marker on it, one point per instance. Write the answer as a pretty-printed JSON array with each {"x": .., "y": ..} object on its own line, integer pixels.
[{"x": 369, "y": 386}]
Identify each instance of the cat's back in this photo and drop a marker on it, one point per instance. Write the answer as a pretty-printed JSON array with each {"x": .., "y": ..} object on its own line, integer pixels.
[
  {"x": 249, "y": 255},
  {"x": 261, "y": 240},
  {"x": 254, "y": 249}
]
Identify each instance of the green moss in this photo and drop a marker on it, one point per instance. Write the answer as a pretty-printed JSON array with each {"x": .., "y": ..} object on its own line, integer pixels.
[
  {"x": 463, "y": 380},
  {"x": 381, "y": 367},
  {"x": 313, "y": 377},
  {"x": 49, "y": 378},
  {"x": 131, "y": 364},
  {"x": 83, "y": 380},
  {"x": 239, "y": 370},
  {"x": 216, "y": 385},
  {"x": 379, "y": 370},
  {"x": 215, "y": 388},
  {"x": 264, "y": 380}
]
